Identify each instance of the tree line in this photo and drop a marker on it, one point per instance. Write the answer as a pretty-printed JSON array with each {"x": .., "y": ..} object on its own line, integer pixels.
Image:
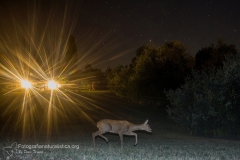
[
  {"x": 158, "y": 68},
  {"x": 203, "y": 91}
]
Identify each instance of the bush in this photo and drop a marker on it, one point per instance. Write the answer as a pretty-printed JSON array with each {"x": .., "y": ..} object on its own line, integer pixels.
[
  {"x": 151, "y": 71},
  {"x": 209, "y": 101}
]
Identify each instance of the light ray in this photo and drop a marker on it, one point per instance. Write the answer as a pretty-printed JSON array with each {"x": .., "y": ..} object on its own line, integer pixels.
[{"x": 34, "y": 50}]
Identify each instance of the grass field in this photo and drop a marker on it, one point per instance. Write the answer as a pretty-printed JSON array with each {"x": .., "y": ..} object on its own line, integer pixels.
[{"x": 71, "y": 133}]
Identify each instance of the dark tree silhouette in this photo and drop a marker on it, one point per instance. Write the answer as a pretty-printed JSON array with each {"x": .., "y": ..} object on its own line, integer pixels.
[
  {"x": 152, "y": 70},
  {"x": 213, "y": 55},
  {"x": 70, "y": 67},
  {"x": 202, "y": 57},
  {"x": 71, "y": 54}
]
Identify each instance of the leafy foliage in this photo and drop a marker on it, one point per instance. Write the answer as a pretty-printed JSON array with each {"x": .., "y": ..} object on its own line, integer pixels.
[
  {"x": 213, "y": 55},
  {"x": 152, "y": 70},
  {"x": 118, "y": 79},
  {"x": 90, "y": 78},
  {"x": 208, "y": 103}
]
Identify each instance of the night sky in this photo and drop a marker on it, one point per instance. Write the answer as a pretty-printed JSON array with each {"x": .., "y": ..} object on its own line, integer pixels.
[{"x": 107, "y": 33}]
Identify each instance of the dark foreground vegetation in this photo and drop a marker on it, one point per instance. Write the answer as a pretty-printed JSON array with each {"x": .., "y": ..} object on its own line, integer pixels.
[{"x": 208, "y": 103}]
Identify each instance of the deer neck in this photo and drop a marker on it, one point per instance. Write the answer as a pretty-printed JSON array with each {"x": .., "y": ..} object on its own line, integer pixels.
[{"x": 134, "y": 127}]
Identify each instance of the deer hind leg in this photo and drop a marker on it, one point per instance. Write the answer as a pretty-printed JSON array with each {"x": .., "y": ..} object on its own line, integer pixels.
[
  {"x": 133, "y": 134},
  {"x": 99, "y": 133},
  {"x": 121, "y": 139},
  {"x": 104, "y": 138}
]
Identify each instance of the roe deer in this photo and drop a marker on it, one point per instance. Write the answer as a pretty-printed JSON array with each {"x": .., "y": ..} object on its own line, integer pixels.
[{"x": 119, "y": 127}]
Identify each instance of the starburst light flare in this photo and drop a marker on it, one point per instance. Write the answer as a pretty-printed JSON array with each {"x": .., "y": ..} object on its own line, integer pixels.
[
  {"x": 52, "y": 85},
  {"x": 26, "y": 84},
  {"x": 34, "y": 45}
]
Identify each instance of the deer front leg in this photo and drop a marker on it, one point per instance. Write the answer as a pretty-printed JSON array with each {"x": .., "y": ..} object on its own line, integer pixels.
[
  {"x": 94, "y": 135},
  {"x": 133, "y": 134}
]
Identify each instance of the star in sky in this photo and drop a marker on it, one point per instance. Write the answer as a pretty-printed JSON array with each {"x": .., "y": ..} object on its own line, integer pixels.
[{"x": 124, "y": 26}]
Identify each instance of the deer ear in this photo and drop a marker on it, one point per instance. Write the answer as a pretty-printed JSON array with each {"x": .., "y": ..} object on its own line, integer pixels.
[{"x": 146, "y": 121}]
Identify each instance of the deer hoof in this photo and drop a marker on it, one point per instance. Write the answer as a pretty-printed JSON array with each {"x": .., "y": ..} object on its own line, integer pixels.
[{"x": 135, "y": 144}]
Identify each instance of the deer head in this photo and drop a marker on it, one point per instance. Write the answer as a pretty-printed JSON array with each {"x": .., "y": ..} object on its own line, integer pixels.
[{"x": 146, "y": 127}]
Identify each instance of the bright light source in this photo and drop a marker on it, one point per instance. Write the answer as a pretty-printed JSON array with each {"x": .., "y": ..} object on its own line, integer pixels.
[
  {"x": 26, "y": 84},
  {"x": 52, "y": 85}
]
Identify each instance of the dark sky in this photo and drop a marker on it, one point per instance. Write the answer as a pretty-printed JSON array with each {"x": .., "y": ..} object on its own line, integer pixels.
[{"x": 108, "y": 32}]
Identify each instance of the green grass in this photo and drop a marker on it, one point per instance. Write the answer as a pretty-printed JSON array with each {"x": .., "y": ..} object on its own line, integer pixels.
[{"x": 147, "y": 149}]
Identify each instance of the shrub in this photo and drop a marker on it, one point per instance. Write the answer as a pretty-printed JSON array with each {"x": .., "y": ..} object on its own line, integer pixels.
[
  {"x": 151, "y": 71},
  {"x": 208, "y": 102}
]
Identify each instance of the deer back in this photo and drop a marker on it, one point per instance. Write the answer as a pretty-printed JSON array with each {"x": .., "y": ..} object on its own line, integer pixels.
[{"x": 113, "y": 126}]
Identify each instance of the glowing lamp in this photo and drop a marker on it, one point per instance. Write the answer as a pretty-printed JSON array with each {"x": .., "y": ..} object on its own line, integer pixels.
[
  {"x": 52, "y": 85},
  {"x": 26, "y": 84}
]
